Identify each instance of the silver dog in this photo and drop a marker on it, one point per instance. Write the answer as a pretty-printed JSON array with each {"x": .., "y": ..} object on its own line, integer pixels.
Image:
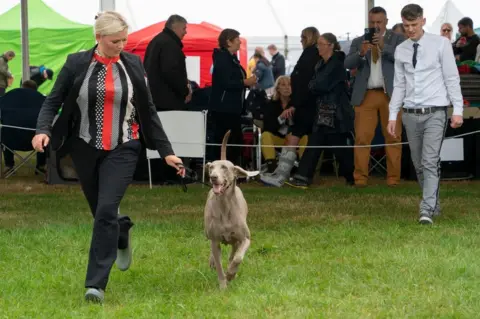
[{"x": 226, "y": 215}]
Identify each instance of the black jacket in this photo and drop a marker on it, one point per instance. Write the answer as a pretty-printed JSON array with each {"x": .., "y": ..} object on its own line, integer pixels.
[
  {"x": 228, "y": 90},
  {"x": 278, "y": 65},
  {"x": 271, "y": 112},
  {"x": 65, "y": 93},
  {"x": 329, "y": 86},
  {"x": 301, "y": 76},
  {"x": 469, "y": 51},
  {"x": 166, "y": 71}
]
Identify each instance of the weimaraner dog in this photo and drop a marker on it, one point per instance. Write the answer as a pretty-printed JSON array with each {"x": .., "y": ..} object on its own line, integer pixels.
[{"x": 226, "y": 215}]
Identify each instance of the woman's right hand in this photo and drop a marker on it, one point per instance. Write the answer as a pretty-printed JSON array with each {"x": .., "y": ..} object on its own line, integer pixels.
[
  {"x": 40, "y": 141},
  {"x": 288, "y": 113},
  {"x": 250, "y": 81}
]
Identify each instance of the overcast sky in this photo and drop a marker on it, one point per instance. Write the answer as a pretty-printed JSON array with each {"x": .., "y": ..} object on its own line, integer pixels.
[{"x": 254, "y": 17}]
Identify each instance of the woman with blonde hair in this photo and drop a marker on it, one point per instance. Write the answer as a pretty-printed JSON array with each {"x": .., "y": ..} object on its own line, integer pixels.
[
  {"x": 277, "y": 119},
  {"x": 107, "y": 115}
]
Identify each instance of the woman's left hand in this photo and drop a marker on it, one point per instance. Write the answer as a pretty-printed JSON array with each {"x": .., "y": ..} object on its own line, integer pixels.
[{"x": 176, "y": 163}]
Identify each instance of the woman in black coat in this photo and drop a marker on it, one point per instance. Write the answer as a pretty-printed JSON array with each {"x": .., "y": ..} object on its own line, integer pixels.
[
  {"x": 228, "y": 93},
  {"x": 333, "y": 122},
  {"x": 107, "y": 112}
]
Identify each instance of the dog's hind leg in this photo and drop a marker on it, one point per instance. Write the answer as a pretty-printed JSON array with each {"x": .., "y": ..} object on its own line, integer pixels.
[
  {"x": 237, "y": 259},
  {"x": 217, "y": 258}
]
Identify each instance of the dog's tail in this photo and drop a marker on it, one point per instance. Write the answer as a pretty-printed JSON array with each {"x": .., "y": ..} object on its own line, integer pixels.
[{"x": 223, "y": 154}]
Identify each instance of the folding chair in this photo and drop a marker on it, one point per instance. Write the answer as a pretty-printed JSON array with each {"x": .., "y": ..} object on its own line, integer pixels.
[
  {"x": 377, "y": 153},
  {"x": 20, "y": 108},
  {"x": 187, "y": 132}
]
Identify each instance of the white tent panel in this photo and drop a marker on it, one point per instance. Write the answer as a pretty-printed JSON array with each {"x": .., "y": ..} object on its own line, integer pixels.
[{"x": 448, "y": 13}]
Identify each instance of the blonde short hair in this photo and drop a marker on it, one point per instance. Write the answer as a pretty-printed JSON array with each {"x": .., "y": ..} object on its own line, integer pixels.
[
  {"x": 282, "y": 78},
  {"x": 109, "y": 22}
]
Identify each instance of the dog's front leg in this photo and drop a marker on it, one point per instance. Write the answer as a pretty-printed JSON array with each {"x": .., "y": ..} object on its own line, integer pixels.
[
  {"x": 237, "y": 259},
  {"x": 217, "y": 258}
]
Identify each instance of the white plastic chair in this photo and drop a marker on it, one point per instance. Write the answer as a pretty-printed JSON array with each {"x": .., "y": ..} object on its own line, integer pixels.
[{"x": 187, "y": 132}]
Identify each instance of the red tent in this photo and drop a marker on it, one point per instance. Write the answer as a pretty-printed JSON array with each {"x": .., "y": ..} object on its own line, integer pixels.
[{"x": 200, "y": 41}]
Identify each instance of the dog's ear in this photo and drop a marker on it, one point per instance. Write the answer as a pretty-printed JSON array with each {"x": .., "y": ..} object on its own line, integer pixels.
[
  {"x": 207, "y": 167},
  {"x": 243, "y": 173}
]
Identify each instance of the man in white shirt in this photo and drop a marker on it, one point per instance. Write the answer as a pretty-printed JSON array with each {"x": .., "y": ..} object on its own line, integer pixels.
[{"x": 426, "y": 82}]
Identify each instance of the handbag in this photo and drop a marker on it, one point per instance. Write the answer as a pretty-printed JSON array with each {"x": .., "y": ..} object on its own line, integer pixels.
[{"x": 326, "y": 113}]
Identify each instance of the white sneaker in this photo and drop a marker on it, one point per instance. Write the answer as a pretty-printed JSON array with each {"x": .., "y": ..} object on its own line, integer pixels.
[
  {"x": 124, "y": 256},
  {"x": 95, "y": 295}
]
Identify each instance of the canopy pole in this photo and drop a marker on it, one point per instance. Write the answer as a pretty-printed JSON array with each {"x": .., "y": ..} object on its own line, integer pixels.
[
  {"x": 107, "y": 5},
  {"x": 25, "y": 46},
  {"x": 369, "y": 4}
]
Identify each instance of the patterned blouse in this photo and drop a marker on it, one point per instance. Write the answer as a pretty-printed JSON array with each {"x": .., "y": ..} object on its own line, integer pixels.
[{"x": 108, "y": 117}]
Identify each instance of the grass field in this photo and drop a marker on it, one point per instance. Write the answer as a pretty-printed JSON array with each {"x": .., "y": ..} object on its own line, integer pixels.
[{"x": 329, "y": 252}]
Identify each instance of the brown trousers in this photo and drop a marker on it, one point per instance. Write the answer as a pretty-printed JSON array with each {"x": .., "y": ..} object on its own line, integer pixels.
[{"x": 366, "y": 121}]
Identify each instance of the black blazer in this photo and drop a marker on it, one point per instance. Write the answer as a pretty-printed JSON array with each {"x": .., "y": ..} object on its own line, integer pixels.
[
  {"x": 228, "y": 90},
  {"x": 167, "y": 72},
  {"x": 65, "y": 92}
]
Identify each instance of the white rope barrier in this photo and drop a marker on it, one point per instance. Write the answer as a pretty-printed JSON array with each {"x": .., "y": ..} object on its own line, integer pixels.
[{"x": 277, "y": 146}]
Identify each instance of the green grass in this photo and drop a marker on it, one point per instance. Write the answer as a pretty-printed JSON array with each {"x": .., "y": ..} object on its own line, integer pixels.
[{"x": 329, "y": 252}]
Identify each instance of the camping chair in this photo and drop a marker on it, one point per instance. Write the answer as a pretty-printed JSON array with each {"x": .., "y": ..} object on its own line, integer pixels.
[
  {"x": 252, "y": 135},
  {"x": 20, "y": 108},
  {"x": 187, "y": 132}
]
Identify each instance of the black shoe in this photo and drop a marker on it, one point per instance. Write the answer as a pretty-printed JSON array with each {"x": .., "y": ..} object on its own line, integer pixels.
[{"x": 297, "y": 183}]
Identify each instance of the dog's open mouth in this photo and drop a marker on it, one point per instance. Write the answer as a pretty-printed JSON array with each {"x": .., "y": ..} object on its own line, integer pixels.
[{"x": 218, "y": 188}]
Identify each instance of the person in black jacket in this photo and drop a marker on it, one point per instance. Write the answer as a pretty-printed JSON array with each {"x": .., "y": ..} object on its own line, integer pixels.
[
  {"x": 334, "y": 114},
  {"x": 278, "y": 61},
  {"x": 229, "y": 84},
  {"x": 166, "y": 68},
  {"x": 277, "y": 119},
  {"x": 107, "y": 113},
  {"x": 303, "y": 104},
  {"x": 39, "y": 74},
  {"x": 465, "y": 47}
]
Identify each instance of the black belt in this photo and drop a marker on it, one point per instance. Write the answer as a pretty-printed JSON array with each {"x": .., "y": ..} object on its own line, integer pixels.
[
  {"x": 376, "y": 89},
  {"x": 424, "y": 110}
]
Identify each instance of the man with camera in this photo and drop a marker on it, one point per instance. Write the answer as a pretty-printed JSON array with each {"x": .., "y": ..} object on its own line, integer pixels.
[{"x": 372, "y": 55}]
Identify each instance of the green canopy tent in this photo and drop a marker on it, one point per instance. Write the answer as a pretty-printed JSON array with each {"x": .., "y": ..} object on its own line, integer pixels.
[{"x": 51, "y": 38}]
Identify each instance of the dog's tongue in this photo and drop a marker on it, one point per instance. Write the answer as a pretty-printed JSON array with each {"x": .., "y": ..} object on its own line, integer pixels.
[{"x": 217, "y": 188}]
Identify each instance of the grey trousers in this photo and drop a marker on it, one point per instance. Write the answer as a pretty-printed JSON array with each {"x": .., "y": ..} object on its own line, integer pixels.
[{"x": 425, "y": 134}]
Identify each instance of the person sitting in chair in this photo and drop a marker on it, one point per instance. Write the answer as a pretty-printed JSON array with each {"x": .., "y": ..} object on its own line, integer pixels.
[{"x": 277, "y": 118}]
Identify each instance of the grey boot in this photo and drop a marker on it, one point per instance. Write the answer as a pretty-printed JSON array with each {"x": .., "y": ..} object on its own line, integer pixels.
[{"x": 282, "y": 172}]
